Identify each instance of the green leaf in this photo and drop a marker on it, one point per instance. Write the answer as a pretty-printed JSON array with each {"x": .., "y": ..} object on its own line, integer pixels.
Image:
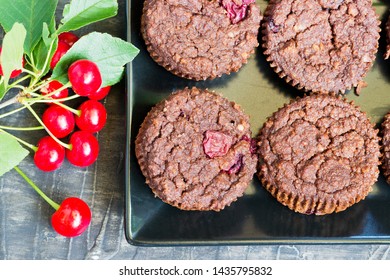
[
  {"x": 80, "y": 13},
  {"x": 12, "y": 53},
  {"x": 31, "y": 13},
  {"x": 44, "y": 50},
  {"x": 111, "y": 54},
  {"x": 3, "y": 89},
  {"x": 47, "y": 30},
  {"x": 11, "y": 153}
]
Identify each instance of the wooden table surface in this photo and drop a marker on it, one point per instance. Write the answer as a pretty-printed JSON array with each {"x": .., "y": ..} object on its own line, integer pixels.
[{"x": 26, "y": 233}]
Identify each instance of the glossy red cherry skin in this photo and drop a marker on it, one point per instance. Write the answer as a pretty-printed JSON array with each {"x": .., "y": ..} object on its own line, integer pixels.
[
  {"x": 68, "y": 38},
  {"x": 72, "y": 218},
  {"x": 62, "y": 49},
  {"x": 100, "y": 93},
  {"x": 85, "y": 149},
  {"x": 58, "y": 120},
  {"x": 49, "y": 155},
  {"x": 85, "y": 77},
  {"x": 93, "y": 116}
]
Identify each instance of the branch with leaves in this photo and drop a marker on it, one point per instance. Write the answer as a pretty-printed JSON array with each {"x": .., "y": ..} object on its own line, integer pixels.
[{"x": 38, "y": 65}]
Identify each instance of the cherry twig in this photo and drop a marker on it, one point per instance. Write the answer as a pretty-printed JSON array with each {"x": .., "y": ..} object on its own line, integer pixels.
[{"x": 37, "y": 189}]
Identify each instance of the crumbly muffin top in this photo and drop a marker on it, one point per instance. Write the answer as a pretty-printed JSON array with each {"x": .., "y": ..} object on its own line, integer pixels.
[
  {"x": 321, "y": 45},
  {"x": 195, "y": 150},
  {"x": 320, "y": 148},
  {"x": 197, "y": 39}
]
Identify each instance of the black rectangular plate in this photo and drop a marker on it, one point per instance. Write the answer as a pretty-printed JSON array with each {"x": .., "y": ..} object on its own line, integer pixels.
[{"x": 256, "y": 218}]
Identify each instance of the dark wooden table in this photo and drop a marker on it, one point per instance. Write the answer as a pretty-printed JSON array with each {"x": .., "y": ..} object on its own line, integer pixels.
[{"x": 26, "y": 233}]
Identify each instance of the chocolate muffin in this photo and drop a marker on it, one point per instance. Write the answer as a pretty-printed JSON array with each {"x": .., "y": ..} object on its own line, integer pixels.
[
  {"x": 385, "y": 133},
  {"x": 318, "y": 155},
  {"x": 195, "y": 150},
  {"x": 324, "y": 46},
  {"x": 387, "y": 54},
  {"x": 201, "y": 39}
]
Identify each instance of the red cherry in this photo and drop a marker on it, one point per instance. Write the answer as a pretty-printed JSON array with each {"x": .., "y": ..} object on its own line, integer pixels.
[
  {"x": 68, "y": 38},
  {"x": 49, "y": 155},
  {"x": 85, "y": 77},
  {"x": 62, "y": 49},
  {"x": 72, "y": 218},
  {"x": 93, "y": 116},
  {"x": 58, "y": 120},
  {"x": 100, "y": 93},
  {"x": 85, "y": 149},
  {"x": 216, "y": 143},
  {"x": 53, "y": 86},
  {"x": 236, "y": 12},
  {"x": 14, "y": 73}
]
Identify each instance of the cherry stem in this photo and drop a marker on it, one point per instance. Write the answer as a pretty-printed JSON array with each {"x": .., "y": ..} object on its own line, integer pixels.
[
  {"x": 40, "y": 100},
  {"x": 20, "y": 97},
  {"x": 39, "y": 86},
  {"x": 32, "y": 74},
  {"x": 12, "y": 112},
  {"x": 48, "y": 55},
  {"x": 32, "y": 147},
  {"x": 37, "y": 189},
  {"x": 67, "y": 146},
  {"x": 22, "y": 128},
  {"x": 74, "y": 111},
  {"x": 31, "y": 62},
  {"x": 17, "y": 82}
]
